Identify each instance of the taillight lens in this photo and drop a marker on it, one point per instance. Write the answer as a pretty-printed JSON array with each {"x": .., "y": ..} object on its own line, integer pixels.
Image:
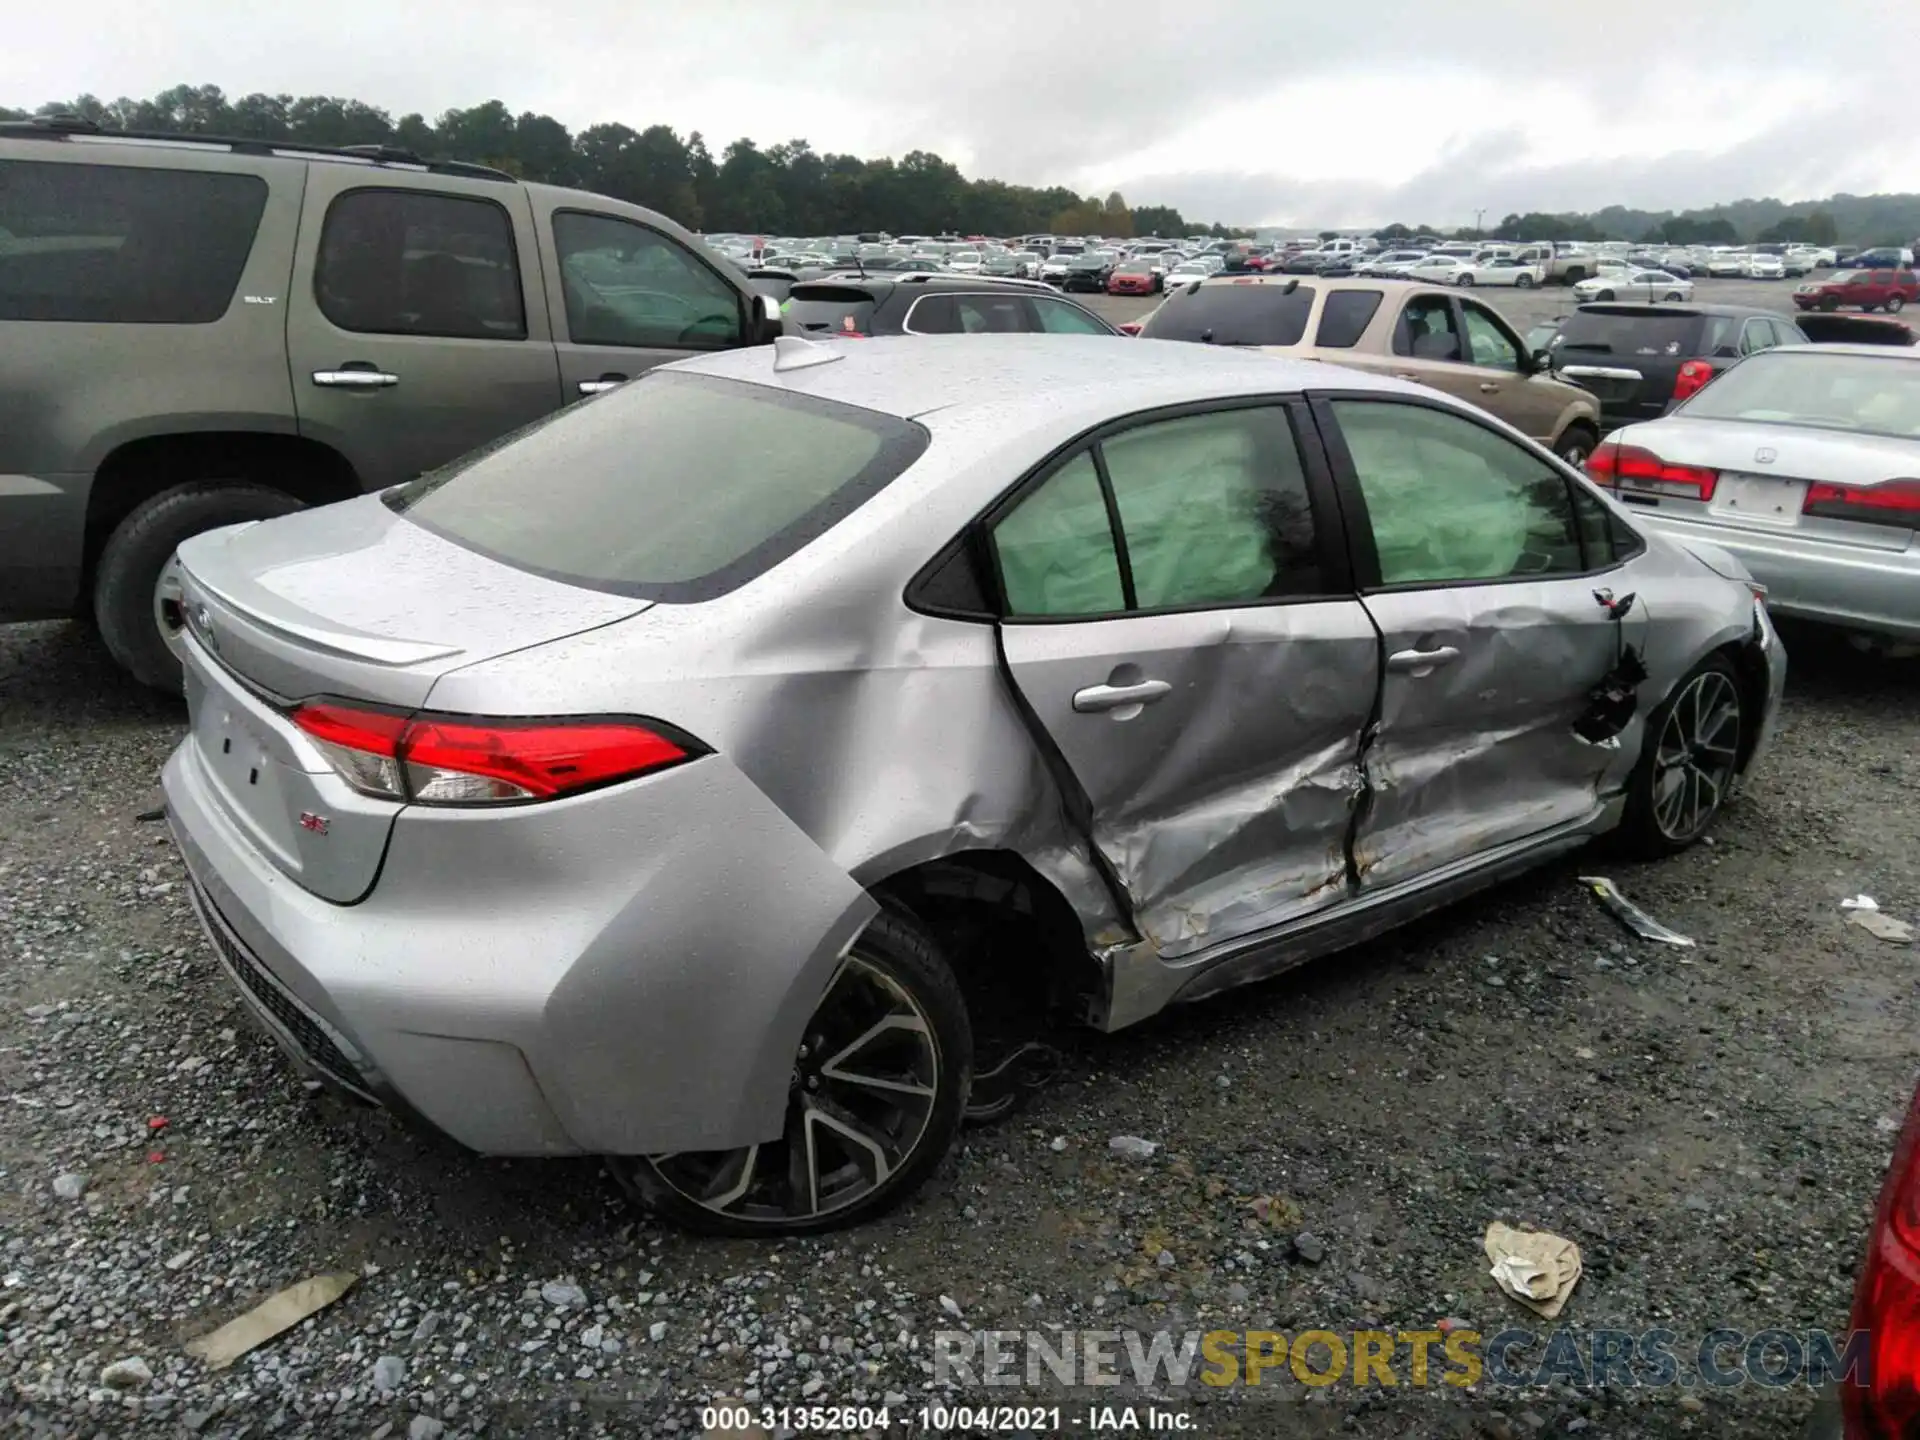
[
  {"x": 467, "y": 760},
  {"x": 1892, "y": 502},
  {"x": 1692, "y": 378},
  {"x": 1634, "y": 467},
  {"x": 1886, "y": 1303}
]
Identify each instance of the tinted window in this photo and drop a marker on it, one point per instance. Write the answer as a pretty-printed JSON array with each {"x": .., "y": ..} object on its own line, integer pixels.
[
  {"x": 1612, "y": 333},
  {"x": 1056, "y": 550},
  {"x": 1057, "y": 317},
  {"x": 1345, "y": 317},
  {"x": 1214, "y": 509},
  {"x": 627, "y": 285},
  {"x": 968, "y": 315},
  {"x": 1425, "y": 329},
  {"x": 405, "y": 262},
  {"x": 1488, "y": 343},
  {"x": 829, "y": 310},
  {"x": 109, "y": 244},
  {"x": 1447, "y": 500},
  {"x": 1250, "y": 314},
  {"x": 674, "y": 487}
]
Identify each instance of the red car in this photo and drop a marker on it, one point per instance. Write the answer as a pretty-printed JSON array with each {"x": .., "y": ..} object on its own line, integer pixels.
[
  {"x": 1132, "y": 277},
  {"x": 1882, "y": 1400},
  {"x": 1869, "y": 289}
]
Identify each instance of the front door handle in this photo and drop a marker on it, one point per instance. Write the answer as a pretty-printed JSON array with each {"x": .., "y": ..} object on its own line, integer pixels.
[
  {"x": 1487, "y": 387},
  {"x": 348, "y": 378},
  {"x": 604, "y": 383},
  {"x": 1421, "y": 662},
  {"x": 1096, "y": 698}
]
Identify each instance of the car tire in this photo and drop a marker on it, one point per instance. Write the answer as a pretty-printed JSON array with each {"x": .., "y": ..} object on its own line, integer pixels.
[
  {"x": 1575, "y": 274},
  {"x": 1575, "y": 443},
  {"x": 894, "y": 963},
  {"x": 1523, "y": 282},
  {"x": 1672, "y": 295},
  {"x": 1663, "y": 816},
  {"x": 1895, "y": 303},
  {"x": 1604, "y": 295},
  {"x": 1464, "y": 280},
  {"x": 126, "y": 603}
]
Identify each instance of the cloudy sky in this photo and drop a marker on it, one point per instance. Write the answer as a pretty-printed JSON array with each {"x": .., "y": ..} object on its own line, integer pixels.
[{"x": 1237, "y": 110}]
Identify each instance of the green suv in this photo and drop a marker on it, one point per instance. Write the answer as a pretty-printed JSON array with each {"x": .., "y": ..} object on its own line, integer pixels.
[{"x": 196, "y": 332}]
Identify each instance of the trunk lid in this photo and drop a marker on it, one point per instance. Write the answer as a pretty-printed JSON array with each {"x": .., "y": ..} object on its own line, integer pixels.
[{"x": 351, "y": 601}]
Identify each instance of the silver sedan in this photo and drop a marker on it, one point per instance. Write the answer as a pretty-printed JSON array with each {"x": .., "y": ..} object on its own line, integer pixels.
[
  {"x": 1804, "y": 461},
  {"x": 660, "y": 785}
]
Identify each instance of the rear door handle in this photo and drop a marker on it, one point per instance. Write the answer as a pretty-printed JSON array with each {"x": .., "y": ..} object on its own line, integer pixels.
[
  {"x": 603, "y": 384},
  {"x": 347, "y": 379},
  {"x": 1096, "y": 698},
  {"x": 1421, "y": 662}
]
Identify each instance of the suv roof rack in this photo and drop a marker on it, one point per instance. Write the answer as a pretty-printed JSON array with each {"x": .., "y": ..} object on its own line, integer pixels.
[{"x": 68, "y": 127}]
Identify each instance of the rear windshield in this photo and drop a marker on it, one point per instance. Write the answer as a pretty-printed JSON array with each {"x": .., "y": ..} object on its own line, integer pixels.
[
  {"x": 828, "y": 309},
  {"x": 1642, "y": 333},
  {"x": 1253, "y": 314},
  {"x": 1870, "y": 394},
  {"x": 675, "y": 487}
]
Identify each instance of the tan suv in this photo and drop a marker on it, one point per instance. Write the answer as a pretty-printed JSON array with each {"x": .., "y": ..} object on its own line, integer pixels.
[{"x": 1425, "y": 333}]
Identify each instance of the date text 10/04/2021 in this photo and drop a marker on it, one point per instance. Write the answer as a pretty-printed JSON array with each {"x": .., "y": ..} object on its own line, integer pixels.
[{"x": 748, "y": 1420}]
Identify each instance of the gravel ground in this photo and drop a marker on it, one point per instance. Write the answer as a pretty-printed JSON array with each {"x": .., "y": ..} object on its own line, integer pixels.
[
  {"x": 1522, "y": 307},
  {"x": 1710, "y": 1126}
]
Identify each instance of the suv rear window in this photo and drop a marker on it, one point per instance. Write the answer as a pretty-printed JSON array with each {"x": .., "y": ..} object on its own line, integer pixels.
[
  {"x": 1604, "y": 332},
  {"x": 829, "y": 309},
  {"x": 123, "y": 245},
  {"x": 1251, "y": 314},
  {"x": 1345, "y": 317},
  {"x": 675, "y": 487}
]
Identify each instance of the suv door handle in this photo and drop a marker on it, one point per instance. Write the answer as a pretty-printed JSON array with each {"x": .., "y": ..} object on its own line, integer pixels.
[
  {"x": 1421, "y": 662},
  {"x": 603, "y": 384},
  {"x": 350, "y": 379},
  {"x": 1096, "y": 698}
]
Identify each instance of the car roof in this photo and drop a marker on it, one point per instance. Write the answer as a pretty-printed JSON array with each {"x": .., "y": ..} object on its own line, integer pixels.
[
  {"x": 1872, "y": 352},
  {"x": 1023, "y": 377},
  {"x": 886, "y": 281}
]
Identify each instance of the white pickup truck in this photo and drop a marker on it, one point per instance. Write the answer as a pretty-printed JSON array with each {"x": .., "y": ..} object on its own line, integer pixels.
[{"x": 1562, "y": 262}]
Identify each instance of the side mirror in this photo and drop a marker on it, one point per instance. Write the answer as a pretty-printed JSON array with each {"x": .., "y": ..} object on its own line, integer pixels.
[
  {"x": 768, "y": 324},
  {"x": 1543, "y": 362}
]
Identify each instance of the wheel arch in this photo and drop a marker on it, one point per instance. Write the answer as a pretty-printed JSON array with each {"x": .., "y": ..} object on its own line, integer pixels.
[
  {"x": 1014, "y": 939},
  {"x": 136, "y": 470}
]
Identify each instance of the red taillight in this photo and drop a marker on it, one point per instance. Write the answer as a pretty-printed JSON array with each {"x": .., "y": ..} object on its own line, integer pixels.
[
  {"x": 1634, "y": 467},
  {"x": 1892, "y": 502},
  {"x": 1692, "y": 378},
  {"x": 1886, "y": 1303},
  {"x": 1131, "y": 327},
  {"x": 466, "y": 760}
]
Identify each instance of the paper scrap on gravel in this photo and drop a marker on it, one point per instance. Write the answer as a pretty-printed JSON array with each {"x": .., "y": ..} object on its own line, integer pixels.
[
  {"x": 1536, "y": 1268},
  {"x": 276, "y": 1313},
  {"x": 1882, "y": 926},
  {"x": 1630, "y": 914}
]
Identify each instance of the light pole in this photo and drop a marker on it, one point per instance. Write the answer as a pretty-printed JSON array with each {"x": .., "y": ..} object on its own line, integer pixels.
[{"x": 1476, "y": 221}]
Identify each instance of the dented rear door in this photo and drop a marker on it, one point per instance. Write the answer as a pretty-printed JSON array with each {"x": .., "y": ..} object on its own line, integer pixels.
[
  {"x": 1181, "y": 628},
  {"x": 1471, "y": 565}
]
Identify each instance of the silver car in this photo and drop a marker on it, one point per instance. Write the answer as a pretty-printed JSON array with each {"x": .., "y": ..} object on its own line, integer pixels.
[
  {"x": 662, "y": 784},
  {"x": 1804, "y": 461}
]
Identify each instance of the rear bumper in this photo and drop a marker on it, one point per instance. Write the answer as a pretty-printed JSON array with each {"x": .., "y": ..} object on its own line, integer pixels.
[
  {"x": 1877, "y": 591},
  {"x": 568, "y": 978}
]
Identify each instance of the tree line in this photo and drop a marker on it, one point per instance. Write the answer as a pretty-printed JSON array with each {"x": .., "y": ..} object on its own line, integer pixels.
[
  {"x": 1838, "y": 219},
  {"x": 785, "y": 189}
]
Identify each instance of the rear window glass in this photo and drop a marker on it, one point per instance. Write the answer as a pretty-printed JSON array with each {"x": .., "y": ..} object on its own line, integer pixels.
[
  {"x": 1345, "y": 317},
  {"x": 1251, "y": 314},
  {"x": 1870, "y": 394},
  {"x": 676, "y": 487},
  {"x": 1619, "y": 333},
  {"x": 112, "y": 244},
  {"x": 828, "y": 309}
]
